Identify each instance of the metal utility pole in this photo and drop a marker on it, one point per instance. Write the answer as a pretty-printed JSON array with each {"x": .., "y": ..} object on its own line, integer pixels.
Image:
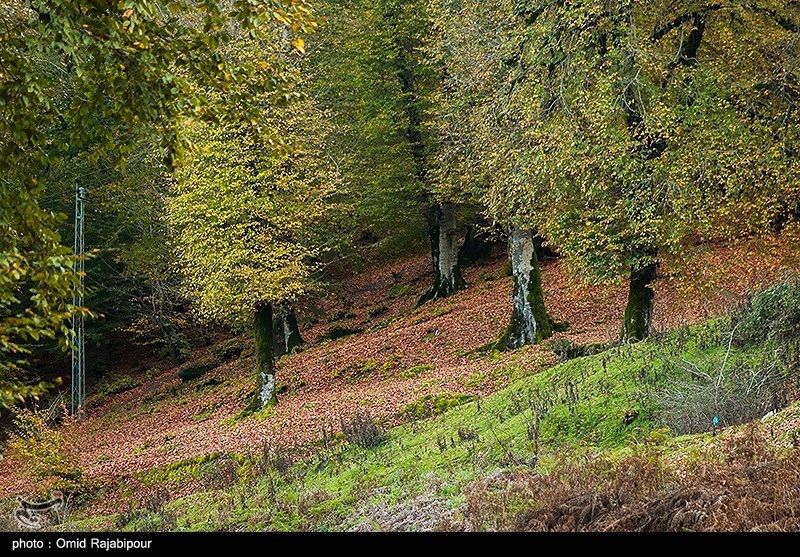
[{"x": 78, "y": 407}]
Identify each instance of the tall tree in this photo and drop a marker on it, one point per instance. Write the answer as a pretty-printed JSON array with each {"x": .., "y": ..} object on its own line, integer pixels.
[
  {"x": 623, "y": 129},
  {"x": 65, "y": 66},
  {"x": 376, "y": 79},
  {"x": 252, "y": 224},
  {"x": 484, "y": 149}
]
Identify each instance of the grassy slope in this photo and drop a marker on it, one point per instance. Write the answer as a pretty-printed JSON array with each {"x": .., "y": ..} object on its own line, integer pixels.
[{"x": 595, "y": 404}]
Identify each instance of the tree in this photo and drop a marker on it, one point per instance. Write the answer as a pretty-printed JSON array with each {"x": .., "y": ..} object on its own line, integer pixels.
[
  {"x": 97, "y": 80},
  {"x": 622, "y": 130},
  {"x": 376, "y": 80},
  {"x": 673, "y": 136},
  {"x": 252, "y": 224},
  {"x": 484, "y": 149}
]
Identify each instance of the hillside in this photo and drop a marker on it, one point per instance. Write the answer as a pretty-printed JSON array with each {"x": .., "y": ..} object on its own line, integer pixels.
[{"x": 395, "y": 357}]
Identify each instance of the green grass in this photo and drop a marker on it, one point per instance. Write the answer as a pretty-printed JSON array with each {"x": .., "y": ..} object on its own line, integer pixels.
[{"x": 599, "y": 403}]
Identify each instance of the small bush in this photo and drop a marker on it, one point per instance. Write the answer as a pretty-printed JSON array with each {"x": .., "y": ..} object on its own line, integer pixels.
[
  {"x": 433, "y": 405},
  {"x": 197, "y": 369},
  {"x": 272, "y": 459},
  {"x": 44, "y": 455},
  {"x": 362, "y": 430},
  {"x": 771, "y": 315},
  {"x": 227, "y": 350},
  {"x": 738, "y": 393}
]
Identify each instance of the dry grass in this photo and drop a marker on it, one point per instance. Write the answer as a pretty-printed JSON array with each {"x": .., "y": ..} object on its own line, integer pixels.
[{"x": 741, "y": 483}]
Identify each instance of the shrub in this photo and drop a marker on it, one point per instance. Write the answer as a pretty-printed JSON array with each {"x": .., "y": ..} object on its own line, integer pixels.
[
  {"x": 227, "y": 350},
  {"x": 736, "y": 393},
  {"x": 272, "y": 459},
  {"x": 771, "y": 315},
  {"x": 44, "y": 455},
  {"x": 362, "y": 430},
  {"x": 197, "y": 369}
]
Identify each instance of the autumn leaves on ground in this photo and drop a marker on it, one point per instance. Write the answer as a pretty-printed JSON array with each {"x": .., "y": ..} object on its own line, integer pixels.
[{"x": 395, "y": 354}]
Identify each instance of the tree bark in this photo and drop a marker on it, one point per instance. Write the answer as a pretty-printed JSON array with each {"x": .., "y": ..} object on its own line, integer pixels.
[
  {"x": 286, "y": 331},
  {"x": 265, "y": 357},
  {"x": 638, "y": 316},
  {"x": 443, "y": 232},
  {"x": 530, "y": 322}
]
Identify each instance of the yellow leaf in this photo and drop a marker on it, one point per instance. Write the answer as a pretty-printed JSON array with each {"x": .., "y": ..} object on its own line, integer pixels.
[{"x": 299, "y": 44}]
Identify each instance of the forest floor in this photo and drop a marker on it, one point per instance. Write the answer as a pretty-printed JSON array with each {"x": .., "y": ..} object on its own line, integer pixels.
[{"x": 396, "y": 356}]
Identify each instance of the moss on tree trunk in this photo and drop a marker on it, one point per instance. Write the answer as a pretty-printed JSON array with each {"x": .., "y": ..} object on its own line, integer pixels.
[
  {"x": 265, "y": 357},
  {"x": 530, "y": 322},
  {"x": 443, "y": 232},
  {"x": 638, "y": 315}
]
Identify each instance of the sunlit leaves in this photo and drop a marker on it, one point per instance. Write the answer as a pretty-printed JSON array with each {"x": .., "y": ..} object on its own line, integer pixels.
[
  {"x": 601, "y": 125},
  {"x": 95, "y": 80}
]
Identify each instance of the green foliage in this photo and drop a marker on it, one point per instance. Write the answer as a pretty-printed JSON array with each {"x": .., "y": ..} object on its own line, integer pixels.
[
  {"x": 197, "y": 369},
  {"x": 92, "y": 83},
  {"x": 45, "y": 455},
  {"x": 771, "y": 315},
  {"x": 370, "y": 71},
  {"x": 618, "y": 130},
  {"x": 254, "y": 221}
]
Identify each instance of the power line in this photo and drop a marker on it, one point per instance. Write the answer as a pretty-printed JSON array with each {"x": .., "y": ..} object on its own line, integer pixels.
[{"x": 78, "y": 406}]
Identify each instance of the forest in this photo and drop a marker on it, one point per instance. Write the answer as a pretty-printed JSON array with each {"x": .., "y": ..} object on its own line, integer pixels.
[{"x": 399, "y": 265}]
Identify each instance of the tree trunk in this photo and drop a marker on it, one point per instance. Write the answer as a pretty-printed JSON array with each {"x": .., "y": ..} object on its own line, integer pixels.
[
  {"x": 286, "y": 331},
  {"x": 639, "y": 311},
  {"x": 443, "y": 232},
  {"x": 476, "y": 248},
  {"x": 265, "y": 357},
  {"x": 530, "y": 322}
]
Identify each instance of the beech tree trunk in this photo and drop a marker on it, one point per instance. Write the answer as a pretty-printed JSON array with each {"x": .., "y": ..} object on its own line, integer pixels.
[
  {"x": 443, "y": 232},
  {"x": 530, "y": 322},
  {"x": 286, "y": 331},
  {"x": 637, "y": 320},
  {"x": 265, "y": 357}
]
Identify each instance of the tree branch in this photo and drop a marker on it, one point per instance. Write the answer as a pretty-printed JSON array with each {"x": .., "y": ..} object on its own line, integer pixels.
[{"x": 661, "y": 32}]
